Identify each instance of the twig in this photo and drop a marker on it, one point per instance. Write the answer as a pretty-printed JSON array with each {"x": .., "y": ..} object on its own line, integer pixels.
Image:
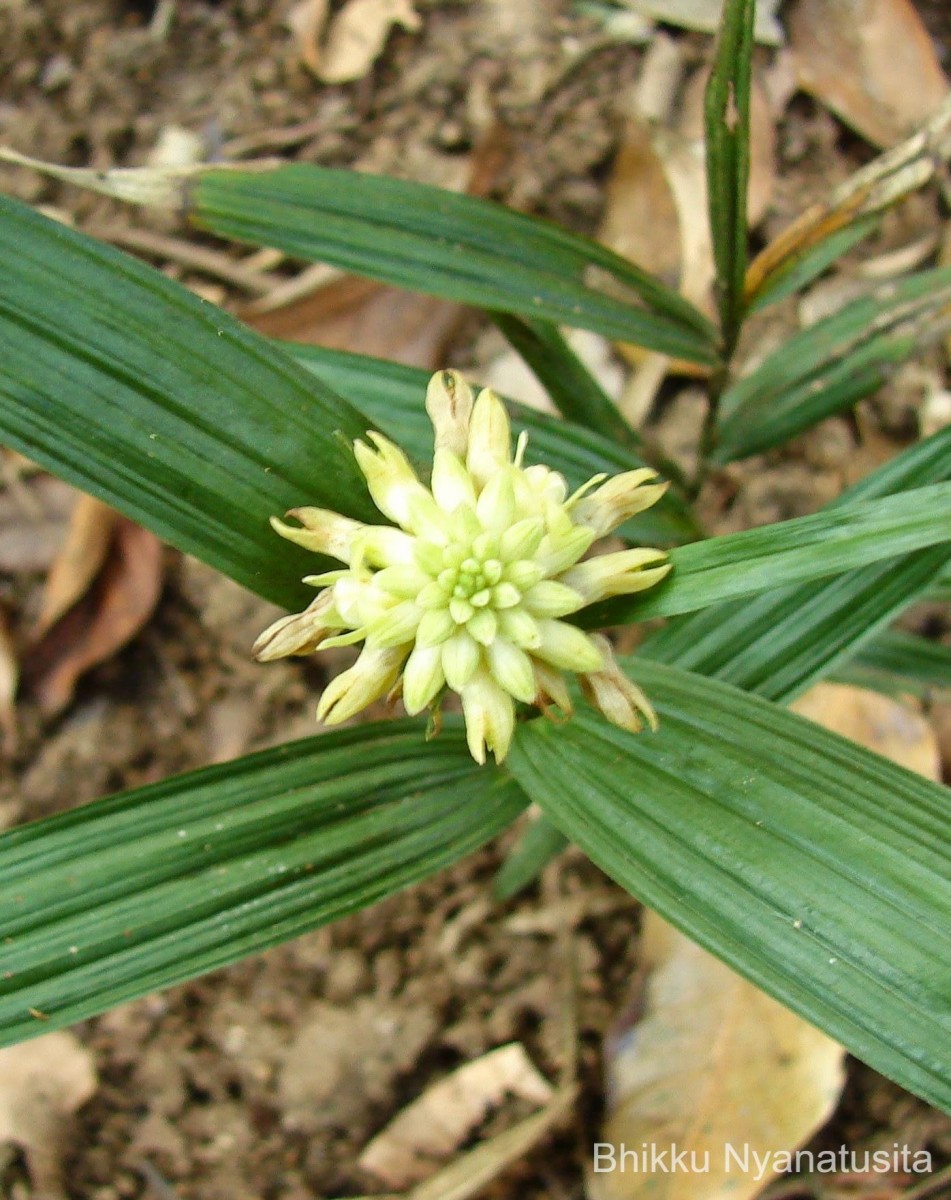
[
  {"x": 187, "y": 254},
  {"x": 272, "y": 139}
]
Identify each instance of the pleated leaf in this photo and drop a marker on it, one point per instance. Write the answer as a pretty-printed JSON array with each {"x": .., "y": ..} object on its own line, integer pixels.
[
  {"x": 425, "y": 239},
  {"x": 759, "y": 560},
  {"x": 131, "y": 388},
  {"x": 155, "y": 886},
  {"x": 780, "y": 642},
  {"x": 833, "y": 364},
  {"x": 815, "y": 868}
]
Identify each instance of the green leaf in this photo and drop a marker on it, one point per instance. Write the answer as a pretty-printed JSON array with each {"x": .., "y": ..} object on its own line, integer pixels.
[
  {"x": 727, "y": 131},
  {"x": 465, "y": 249},
  {"x": 158, "y": 885},
  {"x": 393, "y": 397},
  {"x": 794, "y": 272},
  {"x": 779, "y": 643},
  {"x": 758, "y": 560},
  {"x": 813, "y": 867},
  {"x": 573, "y": 389},
  {"x": 832, "y": 364},
  {"x": 538, "y": 845},
  {"x": 900, "y": 663},
  {"x": 128, "y": 386}
]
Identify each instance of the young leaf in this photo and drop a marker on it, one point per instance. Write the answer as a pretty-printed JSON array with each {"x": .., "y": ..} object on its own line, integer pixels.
[
  {"x": 780, "y": 642},
  {"x": 831, "y": 226},
  {"x": 421, "y": 238},
  {"x": 727, "y": 131},
  {"x": 848, "y": 926},
  {"x": 832, "y": 364},
  {"x": 534, "y": 850},
  {"x": 759, "y": 560},
  {"x": 460, "y": 247},
  {"x": 900, "y": 663},
  {"x": 131, "y": 388},
  {"x": 157, "y": 885}
]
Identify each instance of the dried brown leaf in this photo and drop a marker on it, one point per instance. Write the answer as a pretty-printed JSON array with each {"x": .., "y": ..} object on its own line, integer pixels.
[
  {"x": 34, "y": 514},
  {"x": 366, "y": 317},
  {"x": 306, "y": 21},
  {"x": 877, "y": 722},
  {"x": 113, "y": 610},
  {"x": 357, "y": 35},
  {"x": 870, "y": 61},
  {"x": 714, "y": 1062},
  {"x": 42, "y": 1083},
  {"x": 879, "y": 185},
  {"x": 79, "y": 560},
  {"x": 704, "y": 15},
  {"x": 9, "y": 678},
  {"x": 441, "y": 1119}
]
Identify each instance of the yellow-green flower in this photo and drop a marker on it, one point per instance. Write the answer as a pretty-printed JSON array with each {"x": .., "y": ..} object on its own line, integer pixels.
[{"x": 467, "y": 589}]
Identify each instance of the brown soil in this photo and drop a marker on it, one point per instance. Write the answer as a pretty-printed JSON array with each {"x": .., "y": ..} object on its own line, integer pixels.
[{"x": 217, "y": 1090}]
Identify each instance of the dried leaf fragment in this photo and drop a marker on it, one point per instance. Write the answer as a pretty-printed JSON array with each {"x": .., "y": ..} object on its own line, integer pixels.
[
  {"x": 119, "y": 601},
  {"x": 355, "y": 38},
  {"x": 79, "y": 560},
  {"x": 435, "y": 1124},
  {"x": 714, "y": 1062},
  {"x": 42, "y": 1082},
  {"x": 870, "y": 61}
]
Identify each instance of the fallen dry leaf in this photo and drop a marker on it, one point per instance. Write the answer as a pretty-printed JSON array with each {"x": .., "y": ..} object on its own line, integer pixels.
[
  {"x": 875, "y": 721},
  {"x": 355, "y": 38},
  {"x": 877, "y": 186},
  {"x": 34, "y": 514},
  {"x": 42, "y": 1083},
  {"x": 437, "y": 1123},
  {"x": 366, "y": 317},
  {"x": 704, "y": 15},
  {"x": 871, "y": 61},
  {"x": 306, "y": 20},
  {"x": 9, "y": 678},
  {"x": 714, "y": 1062},
  {"x": 119, "y": 601},
  {"x": 79, "y": 560}
]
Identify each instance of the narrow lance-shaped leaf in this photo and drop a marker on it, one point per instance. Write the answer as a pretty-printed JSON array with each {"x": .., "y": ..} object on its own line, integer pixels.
[
  {"x": 158, "y": 885},
  {"x": 815, "y": 868},
  {"x": 833, "y": 363},
  {"x": 780, "y": 642},
  {"x": 727, "y": 131},
  {"x": 900, "y": 663},
  {"x": 128, "y": 386},
  {"x": 759, "y": 560},
  {"x": 422, "y": 238}
]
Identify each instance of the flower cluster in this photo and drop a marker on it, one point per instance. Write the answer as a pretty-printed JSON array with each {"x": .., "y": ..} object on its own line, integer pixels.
[{"x": 467, "y": 589}]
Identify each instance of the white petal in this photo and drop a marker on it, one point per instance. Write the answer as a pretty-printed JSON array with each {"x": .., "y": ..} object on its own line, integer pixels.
[
  {"x": 512, "y": 669},
  {"x": 452, "y": 484},
  {"x": 519, "y": 627},
  {"x": 618, "y": 574},
  {"x": 496, "y": 505},
  {"x": 522, "y": 540},
  {"x": 449, "y": 404},
  {"x": 567, "y": 647},
  {"x": 490, "y": 717},
  {"x": 370, "y": 677},
  {"x": 620, "y": 498},
  {"x": 551, "y": 599},
  {"x": 406, "y": 581},
  {"x": 299, "y": 633},
  {"x": 391, "y": 479},
  {"x": 434, "y": 627},
  {"x": 396, "y": 626},
  {"x": 422, "y": 677},
  {"x": 618, "y": 698},
  {"x": 323, "y": 531},
  {"x": 490, "y": 438},
  {"x": 483, "y": 625},
  {"x": 460, "y": 658}
]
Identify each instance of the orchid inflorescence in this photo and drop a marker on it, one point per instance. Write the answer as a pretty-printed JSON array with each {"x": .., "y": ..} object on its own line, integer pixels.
[{"x": 467, "y": 589}]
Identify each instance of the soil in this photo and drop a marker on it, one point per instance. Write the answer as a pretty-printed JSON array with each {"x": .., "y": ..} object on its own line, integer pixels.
[{"x": 218, "y": 1090}]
